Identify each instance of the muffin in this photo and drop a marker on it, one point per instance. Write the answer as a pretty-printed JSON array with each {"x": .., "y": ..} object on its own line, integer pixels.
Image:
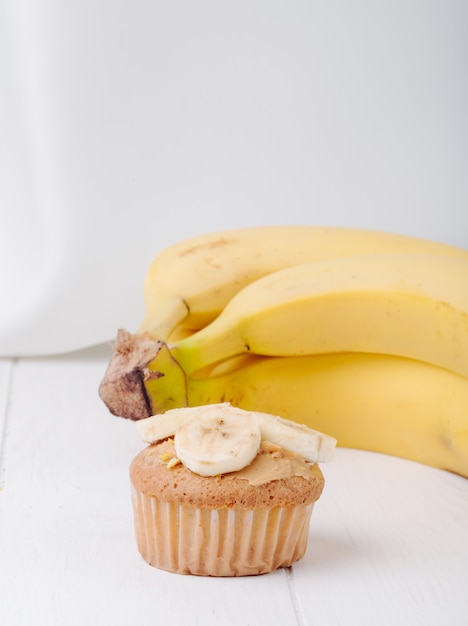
[{"x": 225, "y": 492}]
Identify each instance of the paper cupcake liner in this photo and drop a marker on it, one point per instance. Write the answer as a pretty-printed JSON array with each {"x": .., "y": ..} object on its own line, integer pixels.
[{"x": 219, "y": 542}]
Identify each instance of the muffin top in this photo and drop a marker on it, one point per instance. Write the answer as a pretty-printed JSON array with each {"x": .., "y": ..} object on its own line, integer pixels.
[{"x": 275, "y": 477}]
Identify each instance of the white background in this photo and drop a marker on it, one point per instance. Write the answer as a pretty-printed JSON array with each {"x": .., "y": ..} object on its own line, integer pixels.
[{"x": 126, "y": 126}]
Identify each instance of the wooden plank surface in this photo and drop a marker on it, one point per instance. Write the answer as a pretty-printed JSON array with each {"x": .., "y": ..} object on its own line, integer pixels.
[
  {"x": 388, "y": 539},
  {"x": 6, "y": 367},
  {"x": 390, "y": 545}
]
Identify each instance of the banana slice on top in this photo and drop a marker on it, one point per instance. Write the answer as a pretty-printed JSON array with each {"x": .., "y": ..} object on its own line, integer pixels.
[
  {"x": 217, "y": 441},
  {"x": 162, "y": 426},
  {"x": 312, "y": 445}
]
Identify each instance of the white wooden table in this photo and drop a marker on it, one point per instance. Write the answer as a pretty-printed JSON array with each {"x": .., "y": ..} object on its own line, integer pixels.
[{"x": 388, "y": 539}]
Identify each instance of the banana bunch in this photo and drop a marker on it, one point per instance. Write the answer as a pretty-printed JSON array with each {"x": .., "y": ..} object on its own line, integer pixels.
[{"x": 356, "y": 333}]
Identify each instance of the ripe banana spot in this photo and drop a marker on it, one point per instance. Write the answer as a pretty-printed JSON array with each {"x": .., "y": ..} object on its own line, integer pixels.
[
  {"x": 448, "y": 442},
  {"x": 221, "y": 242}
]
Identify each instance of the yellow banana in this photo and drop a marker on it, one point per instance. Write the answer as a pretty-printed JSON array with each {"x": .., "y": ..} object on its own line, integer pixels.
[
  {"x": 362, "y": 335},
  {"x": 381, "y": 403},
  {"x": 189, "y": 283},
  {"x": 412, "y": 305}
]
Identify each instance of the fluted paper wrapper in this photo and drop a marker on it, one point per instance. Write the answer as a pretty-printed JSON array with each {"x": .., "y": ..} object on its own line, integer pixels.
[{"x": 219, "y": 542}]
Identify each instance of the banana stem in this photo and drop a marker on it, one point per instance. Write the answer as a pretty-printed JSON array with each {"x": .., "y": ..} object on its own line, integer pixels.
[{"x": 163, "y": 314}]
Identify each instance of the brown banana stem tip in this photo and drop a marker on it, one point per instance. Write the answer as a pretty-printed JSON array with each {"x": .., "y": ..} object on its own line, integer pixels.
[{"x": 122, "y": 388}]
